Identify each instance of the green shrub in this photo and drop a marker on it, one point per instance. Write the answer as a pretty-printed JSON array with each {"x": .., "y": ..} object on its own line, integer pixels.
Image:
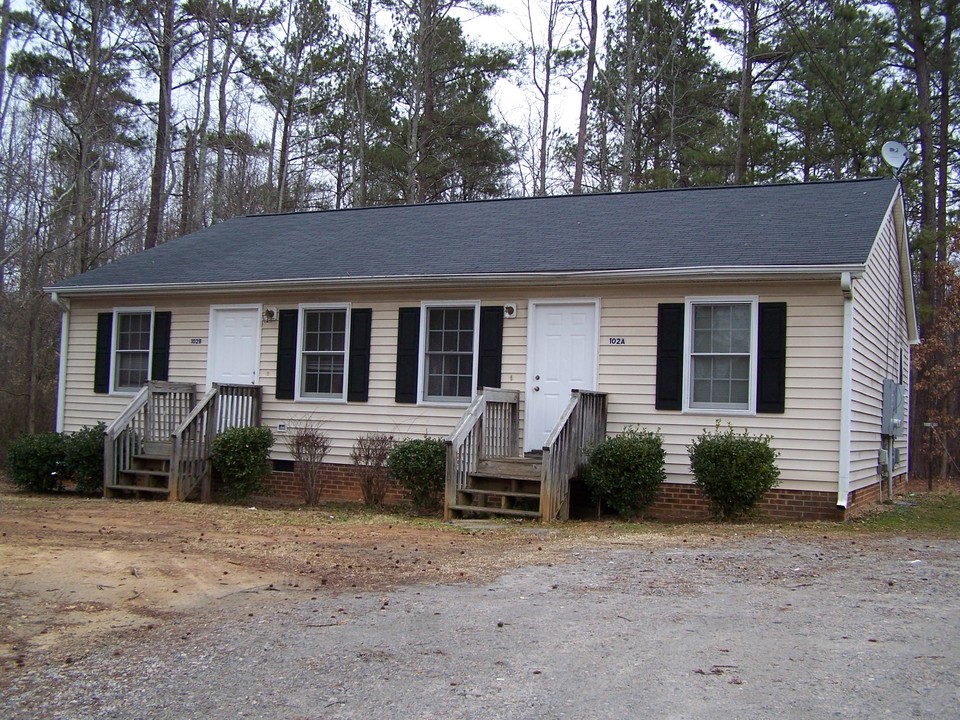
[
  {"x": 36, "y": 462},
  {"x": 240, "y": 456},
  {"x": 83, "y": 458},
  {"x": 734, "y": 471},
  {"x": 420, "y": 465},
  {"x": 625, "y": 471}
]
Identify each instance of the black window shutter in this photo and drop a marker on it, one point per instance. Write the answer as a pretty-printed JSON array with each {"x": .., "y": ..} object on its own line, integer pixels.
[
  {"x": 359, "y": 377},
  {"x": 772, "y": 358},
  {"x": 669, "y": 393},
  {"x": 287, "y": 354},
  {"x": 160, "y": 366},
  {"x": 491, "y": 346},
  {"x": 101, "y": 367},
  {"x": 408, "y": 354}
]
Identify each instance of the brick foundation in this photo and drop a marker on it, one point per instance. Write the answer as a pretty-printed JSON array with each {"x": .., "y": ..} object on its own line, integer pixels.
[
  {"x": 339, "y": 483},
  {"x": 686, "y": 502},
  {"x": 860, "y": 501}
]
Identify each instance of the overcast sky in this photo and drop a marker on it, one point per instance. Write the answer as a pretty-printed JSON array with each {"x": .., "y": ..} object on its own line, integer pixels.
[{"x": 511, "y": 27}]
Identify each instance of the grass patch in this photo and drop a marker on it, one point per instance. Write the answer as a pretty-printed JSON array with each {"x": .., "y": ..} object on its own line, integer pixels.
[{"x": 922, "y": 514}]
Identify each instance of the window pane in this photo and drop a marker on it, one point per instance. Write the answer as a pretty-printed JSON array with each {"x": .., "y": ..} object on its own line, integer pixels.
[
  {"x": 740, "y": 329},
  {"x": 739, "y": 390},
  {"x": 322, "y": 375},
  {"x": 701, "y": 391},
  {"x": 131, "y": 370},
  {"x": 133, "y": 332},
  {"x": 449, "y": 353},
  {"x": 324, "y": 330},
  {"x": 740, "y": 368},
  {"x": 702, "y": 340},
  {"x": 721, "y": 367},
  {"x": 132, "y": 352},
  {"x": 721, "y": 340},
  {"x": 720, "y": 356},
  {"x": 323, "y": 360}
]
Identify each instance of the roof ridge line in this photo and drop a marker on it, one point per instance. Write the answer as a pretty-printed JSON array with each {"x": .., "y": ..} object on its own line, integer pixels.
[{"x": 609, "y": 193}]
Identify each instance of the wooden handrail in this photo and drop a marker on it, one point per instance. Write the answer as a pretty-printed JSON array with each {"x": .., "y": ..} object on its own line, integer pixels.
[
  {"x": 583, "y": 423},
  {"x": 470, "y": 418},
  {"x": 489, "y": 427},
  {"x": 222, "y": 407},
  {"x": 165, "y": 417},
  {"x": 190, "y": 449},
  {"x": 145, "y": 420},
  {"x": 122, "y": 420},
  {"x": 200, "y": 407}
]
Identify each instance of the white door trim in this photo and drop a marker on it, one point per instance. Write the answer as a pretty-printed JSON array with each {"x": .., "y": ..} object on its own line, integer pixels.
[
  {"x": 211, "y": 338},
  {"x": 532, "y": 307}
]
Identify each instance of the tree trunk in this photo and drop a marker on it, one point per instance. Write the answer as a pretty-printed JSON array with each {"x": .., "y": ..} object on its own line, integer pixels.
[
  {"x": 744, "y": 119},
  {"x": 187, "y": 187},
  {"x": 198, "y": 198},
  {"x": 585, "y": 102},
  {"x": 943, "y": 155},
  {"x": 286, "y": 122},
  {"x": 361, "y": 194},
  {"x": 4, "y": 37},
  {"x": 553, "y": 9},
  {"x": 626, "y": 160},
  {"x": 226, "y": 63},
  {"x": 158, "y": 177},
  {"x": 83, "y": 189}
]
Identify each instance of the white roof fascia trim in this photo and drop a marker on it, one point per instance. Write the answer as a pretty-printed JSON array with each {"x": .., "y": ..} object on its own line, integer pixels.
[
  {"x": 906, "y": 272},
  {"x": 800, "y": 272}
]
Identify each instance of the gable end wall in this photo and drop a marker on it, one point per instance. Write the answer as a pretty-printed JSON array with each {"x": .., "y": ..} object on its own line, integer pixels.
[{"x": 880, "y": 350}]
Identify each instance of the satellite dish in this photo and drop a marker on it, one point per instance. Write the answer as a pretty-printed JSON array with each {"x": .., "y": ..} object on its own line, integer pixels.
[{"x": 895, "y": 155}]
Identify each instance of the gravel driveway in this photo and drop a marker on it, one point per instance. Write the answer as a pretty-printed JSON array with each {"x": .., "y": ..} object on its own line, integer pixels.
[{"x": 769, "y": 625}]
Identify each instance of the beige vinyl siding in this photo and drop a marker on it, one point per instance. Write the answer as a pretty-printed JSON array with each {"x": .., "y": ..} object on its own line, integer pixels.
[
  {"x": 806, "y": 435},
  {"x": 343, "y": 422},
  {"x": 187, "y": 362},
  {"x": 879, "y": 347}
]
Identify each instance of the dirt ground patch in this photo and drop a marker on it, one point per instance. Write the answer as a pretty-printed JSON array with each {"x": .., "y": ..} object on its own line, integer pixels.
[
  {"x": 75, "y": 569},
  {"x": 172, "y": 610}
]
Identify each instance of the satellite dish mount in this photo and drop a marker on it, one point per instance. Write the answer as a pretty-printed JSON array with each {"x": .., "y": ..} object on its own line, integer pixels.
[{"x": 895, "y": 155}]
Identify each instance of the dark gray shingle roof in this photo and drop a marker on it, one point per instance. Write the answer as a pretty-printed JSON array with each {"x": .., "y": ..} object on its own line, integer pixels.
[{"x": 814, "y": 224}]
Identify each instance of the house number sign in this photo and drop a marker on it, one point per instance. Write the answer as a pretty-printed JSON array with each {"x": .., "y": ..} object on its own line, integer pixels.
[
  {"x": 616, "y": 341},
  {"x": 196, "y": 341}
]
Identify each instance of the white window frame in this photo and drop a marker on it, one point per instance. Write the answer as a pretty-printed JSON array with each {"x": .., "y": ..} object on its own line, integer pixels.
[
  {"x": 114, "y": 347},
  {"x": 689, "y": 304},
  {"x": 425, "y": 307},
  {"x": 298, "y": 395}
]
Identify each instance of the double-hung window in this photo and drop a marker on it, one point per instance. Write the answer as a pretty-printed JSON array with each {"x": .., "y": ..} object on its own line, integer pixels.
[
  {"x": 450, "y": 353},
  {"x": 721, "y": 354},
  {"x": 323, "y": 352},
  {"x": 131, "y": 358}
]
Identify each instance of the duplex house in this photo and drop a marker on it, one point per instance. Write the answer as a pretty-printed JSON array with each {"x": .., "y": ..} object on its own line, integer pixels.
[{"x": 786, "y": 310}]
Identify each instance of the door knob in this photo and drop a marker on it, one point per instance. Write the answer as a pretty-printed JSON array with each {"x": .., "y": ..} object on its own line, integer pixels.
[{"x": 536, "y": 388}]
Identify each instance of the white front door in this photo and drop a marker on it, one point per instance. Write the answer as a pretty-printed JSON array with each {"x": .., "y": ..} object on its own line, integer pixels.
[
  {"x": 234, "y": 353},
  {"x": 562, "y": 357}
]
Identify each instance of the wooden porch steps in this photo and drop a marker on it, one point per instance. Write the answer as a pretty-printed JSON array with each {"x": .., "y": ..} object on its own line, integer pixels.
[
  {"x": 148, "y": 474},
  {"x": 505, "y": 486},
  {"x": 141, "y": 489},
  {"x": 160, "y": 443},
  {"x": 507, "y": 512}
]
